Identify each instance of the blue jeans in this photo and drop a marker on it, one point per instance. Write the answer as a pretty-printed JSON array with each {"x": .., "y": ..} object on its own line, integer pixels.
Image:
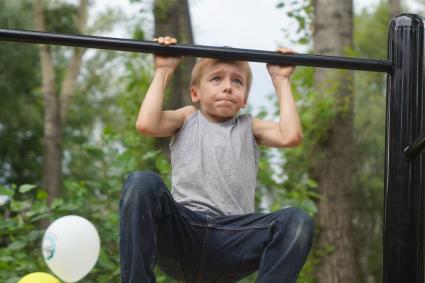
[{"x": 196, "y": 246}]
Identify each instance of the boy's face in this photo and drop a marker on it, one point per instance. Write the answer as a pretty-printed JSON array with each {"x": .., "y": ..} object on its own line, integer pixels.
[{"x": 221, "y": 92}]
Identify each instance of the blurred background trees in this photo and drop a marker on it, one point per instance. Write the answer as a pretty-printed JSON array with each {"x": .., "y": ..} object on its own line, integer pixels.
[{"x": 336, "y": 175}]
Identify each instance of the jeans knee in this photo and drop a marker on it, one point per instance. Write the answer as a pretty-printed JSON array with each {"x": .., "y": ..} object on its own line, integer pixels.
[
  {"x": 300, "y": 223},
  {"x": 141, "y": 184}
]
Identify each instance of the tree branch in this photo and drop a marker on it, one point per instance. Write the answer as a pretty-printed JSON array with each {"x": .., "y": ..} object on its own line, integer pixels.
[{"x": 70, "y": 82}]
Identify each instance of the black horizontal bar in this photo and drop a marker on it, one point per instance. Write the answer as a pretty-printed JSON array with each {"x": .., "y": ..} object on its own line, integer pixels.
[
  {"x": 416, "y": 148},
  {"x": 195, "y": 50}
]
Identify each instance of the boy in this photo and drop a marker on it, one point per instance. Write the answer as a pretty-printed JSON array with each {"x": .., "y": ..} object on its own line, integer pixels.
[{"x": 206, "y": 230}]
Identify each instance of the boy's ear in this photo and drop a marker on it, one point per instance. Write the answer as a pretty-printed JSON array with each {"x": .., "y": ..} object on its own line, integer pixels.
[
  {"x": 194, "y": 94},
  {"x": 245, "y": 103}
]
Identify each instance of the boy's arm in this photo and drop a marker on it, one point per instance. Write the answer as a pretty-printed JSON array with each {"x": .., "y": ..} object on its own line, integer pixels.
[
  {"x": 152, "y": 120},
  {"x": 288, "y": 132}
]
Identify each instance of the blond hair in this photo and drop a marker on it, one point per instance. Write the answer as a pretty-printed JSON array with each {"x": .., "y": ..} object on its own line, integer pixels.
[{"x": 202, "y": 63}]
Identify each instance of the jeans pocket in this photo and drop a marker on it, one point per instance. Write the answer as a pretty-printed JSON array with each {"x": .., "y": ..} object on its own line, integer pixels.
[
  {"x": 232, "y": 277},
  {"x": 171, "y": 268}
]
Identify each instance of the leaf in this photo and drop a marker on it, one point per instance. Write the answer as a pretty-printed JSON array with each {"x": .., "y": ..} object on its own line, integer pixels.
[
  {"x": 6, "y": 191},
  {"x": 309, "y": 206},
  {"x": 17, "y": 245},
  {"x": 7, "y": 258},
  {"x": 40, "y": 216},
  {"x": 58, "y": 202},
  {"x": 41, "y": 195},
  {"x": 314, "y": 195},
  {"x": 150, "y": 154},
  {"x": 12, "y": 279},
  {"x": 34, "y": 235},
  {"x": 18, "y": 206},
  {"x": 311, "y": 183},
  {"x": 5, "y": 224},
  {"x": 26, "y": 188},
  {"x": 97, "y": 153}
]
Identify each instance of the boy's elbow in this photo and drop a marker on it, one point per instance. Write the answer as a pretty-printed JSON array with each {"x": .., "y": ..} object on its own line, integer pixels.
[
  {"x": 143, "y": 129},
  {"x": 298, "y": 139},
  {"x": 294, "y": 140}
]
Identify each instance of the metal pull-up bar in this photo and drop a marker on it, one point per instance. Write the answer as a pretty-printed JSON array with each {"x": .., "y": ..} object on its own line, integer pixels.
[{"x": 195, "y": 50}]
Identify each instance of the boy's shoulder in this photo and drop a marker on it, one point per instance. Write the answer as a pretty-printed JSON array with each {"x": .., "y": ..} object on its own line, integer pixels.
[{"x": 187, "y": 111}]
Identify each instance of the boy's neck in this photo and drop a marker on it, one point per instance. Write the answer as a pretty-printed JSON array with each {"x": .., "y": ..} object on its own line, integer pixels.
[{"x": 217, "y": 120}]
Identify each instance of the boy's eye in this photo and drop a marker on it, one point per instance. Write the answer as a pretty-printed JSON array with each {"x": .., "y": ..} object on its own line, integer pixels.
[
  {"x": 237, "y": 81},
  {"x": 215, "y": 79}
]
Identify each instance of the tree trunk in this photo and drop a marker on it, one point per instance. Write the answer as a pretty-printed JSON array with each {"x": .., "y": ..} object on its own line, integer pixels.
[
  {"x": 52, "y": 147},
  {"x": 333, "y": 25},
  {"x": 395, "y": 7},
  {"x": 55, "y": 106},
  {"x": 172, "y": 18}
]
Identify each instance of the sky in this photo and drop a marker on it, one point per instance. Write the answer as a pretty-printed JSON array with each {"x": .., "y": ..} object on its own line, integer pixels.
[{"x": 248, "y": 24}]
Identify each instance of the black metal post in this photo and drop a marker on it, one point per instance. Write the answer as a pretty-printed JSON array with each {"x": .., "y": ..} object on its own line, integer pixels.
[
  {"x": 416, "y": 148},
  {"x": 404, "y": 182},
  {"x": 120, "y": 44}
]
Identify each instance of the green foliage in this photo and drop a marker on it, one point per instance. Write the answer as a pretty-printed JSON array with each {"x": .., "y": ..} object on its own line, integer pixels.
[
  {"x": 20, "y": 237},
  {"x": 368, "y": 195},
  {"x": 162, "y": 8},
  {"x": 106, "y": 20},
  {"x": 300, "y": 11},
  {"x": 95, "y": 198},
  {"x": 60, "y": 17},
  {"x": 20, "y": 115},
  {"x": 101, "y": 147}
]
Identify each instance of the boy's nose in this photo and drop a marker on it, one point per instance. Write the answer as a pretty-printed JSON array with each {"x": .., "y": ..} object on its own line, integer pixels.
[{"x": 227, "y": 86}]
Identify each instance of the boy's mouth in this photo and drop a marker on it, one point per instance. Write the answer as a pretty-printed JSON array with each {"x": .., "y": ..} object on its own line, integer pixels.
[{"x": 225, "y": 102}]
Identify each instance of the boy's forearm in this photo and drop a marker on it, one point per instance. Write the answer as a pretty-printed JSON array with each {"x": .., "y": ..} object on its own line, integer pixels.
[
  {"x": 151, "y": 110},
  {"x": 289, "y": 123}
]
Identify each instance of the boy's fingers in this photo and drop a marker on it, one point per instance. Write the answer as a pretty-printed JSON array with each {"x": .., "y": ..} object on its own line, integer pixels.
[
  {"x": 160, "y": 40},
  {"x": 165, "y": 40},
  {"x": 285, "y": 50},
  {"x": 170, "y": 40}
]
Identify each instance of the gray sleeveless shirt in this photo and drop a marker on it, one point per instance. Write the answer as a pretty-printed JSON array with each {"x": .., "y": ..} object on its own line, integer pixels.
[{"x": 214, "y": 165}]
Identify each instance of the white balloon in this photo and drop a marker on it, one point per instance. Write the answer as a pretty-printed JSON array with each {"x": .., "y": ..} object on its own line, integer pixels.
[{"x": 71, "y": 247}]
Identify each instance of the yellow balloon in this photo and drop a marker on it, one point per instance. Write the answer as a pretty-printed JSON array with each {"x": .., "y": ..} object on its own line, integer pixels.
[{"x": 39, "y": 277}]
